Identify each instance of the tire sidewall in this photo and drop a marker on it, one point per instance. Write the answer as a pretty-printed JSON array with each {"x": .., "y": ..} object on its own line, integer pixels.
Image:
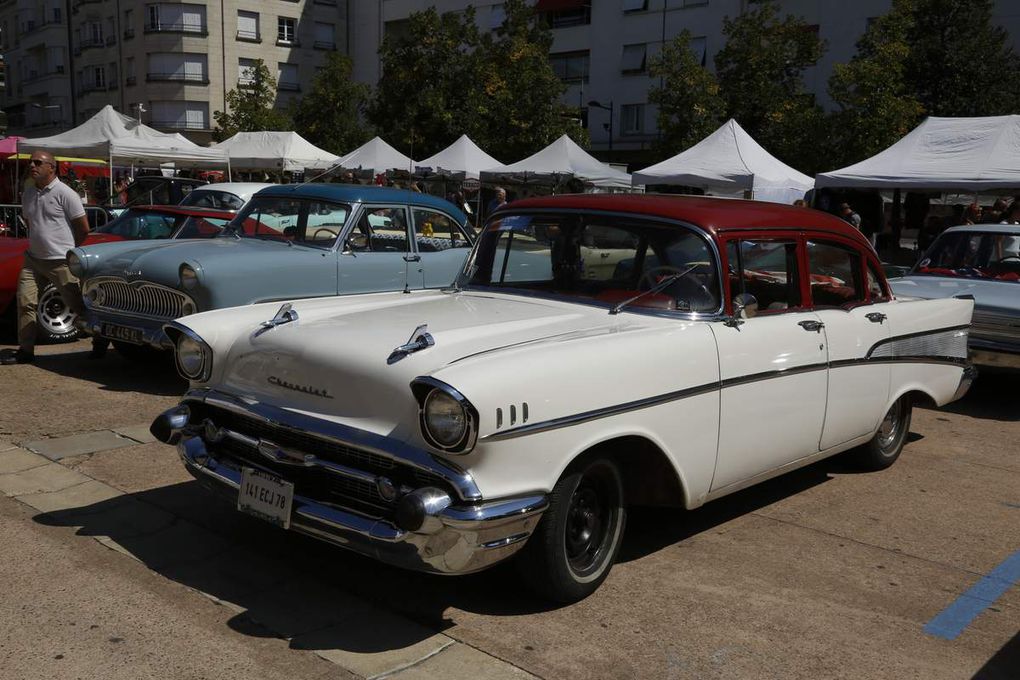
[{"x": 44, "y": 331}]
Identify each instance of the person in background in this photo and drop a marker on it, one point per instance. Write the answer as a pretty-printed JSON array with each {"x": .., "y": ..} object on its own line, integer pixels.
[
  {"x": 1011, "y": 215},
  {"x": 848, "y": 214},
  {"x": 973, "y": 214},
  {"x": 800, "y": 203},
  {"x": 498, "y": 201},
  {"x": 929, "y": 232},
  {"x": 994, "y": 214},
  {"x": 56, "y": 223}
]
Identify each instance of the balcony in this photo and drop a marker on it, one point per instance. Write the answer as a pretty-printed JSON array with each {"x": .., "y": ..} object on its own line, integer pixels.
[
  {"x": 79, "y": 3},
  {"x": 129, "y": 33},
  {"x": 179, "y": 124},
  {"x": 111, "y": 40},
  {"x": 89, "y": 43},
  {"x": 188, "y": 29},
  {"x": 130, "y": 81},
  {"x": 197, "y": 78},
  {"x": 289, "y": 87},
  {"x": 88, "y": 88},
  {"x": 323, "y": 45},
  {"x": 34, "y": 76},
  {"x": 30, "y": 27},
  {"x": 249, "y": 36}
]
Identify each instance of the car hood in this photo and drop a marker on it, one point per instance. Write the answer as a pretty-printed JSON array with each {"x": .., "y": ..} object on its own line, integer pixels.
[
  {"x": 998, "y": 297},
  {"x": 338, "y": 356},
  {"x": 160, "y": 260}
]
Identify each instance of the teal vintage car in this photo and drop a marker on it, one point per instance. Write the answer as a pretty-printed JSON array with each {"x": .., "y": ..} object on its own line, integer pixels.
[{"x": 289, "y": 242}]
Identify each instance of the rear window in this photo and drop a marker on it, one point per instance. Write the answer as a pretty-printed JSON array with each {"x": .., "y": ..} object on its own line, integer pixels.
[{"x": 210, "y": 198}]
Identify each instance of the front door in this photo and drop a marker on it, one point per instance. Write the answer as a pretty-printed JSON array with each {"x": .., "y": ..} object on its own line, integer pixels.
[
  {"x": 375, "y": 255},
  {"x": 773, "y": 368}
]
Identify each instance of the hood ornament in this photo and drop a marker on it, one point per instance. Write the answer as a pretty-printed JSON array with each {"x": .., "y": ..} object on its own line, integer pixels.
[
  {"x": 283, "y": 315},
  {"x": 419, "y": 340}
]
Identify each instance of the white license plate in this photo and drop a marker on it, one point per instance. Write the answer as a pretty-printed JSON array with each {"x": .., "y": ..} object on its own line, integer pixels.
[
  {"x": 265, "y": 496},
  {"x": 115, "y": 332}
]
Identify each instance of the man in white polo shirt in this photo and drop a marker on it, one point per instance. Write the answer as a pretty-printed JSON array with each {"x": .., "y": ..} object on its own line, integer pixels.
[{"x": 56, "y": 223}]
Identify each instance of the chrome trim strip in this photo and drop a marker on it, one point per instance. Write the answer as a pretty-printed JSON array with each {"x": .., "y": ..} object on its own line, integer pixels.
[
  {"x": 388, "y": 447},
  {"x": 919, "y": 334},
  {"x": 769, "y": 375},
  {"x": 906, "y": 359}
]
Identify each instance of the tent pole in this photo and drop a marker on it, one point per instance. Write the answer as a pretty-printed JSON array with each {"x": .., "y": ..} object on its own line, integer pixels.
[{"x": 230, "y": 175}]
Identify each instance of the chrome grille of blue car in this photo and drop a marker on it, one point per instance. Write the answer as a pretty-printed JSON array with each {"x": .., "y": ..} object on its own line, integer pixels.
[
  {"x": 141, "y": 298},
  {"x": 999, "y": 327}
]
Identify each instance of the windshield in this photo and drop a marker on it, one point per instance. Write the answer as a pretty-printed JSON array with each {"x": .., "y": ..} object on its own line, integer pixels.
[
  {"x": 146, "y": 224},
  {"x": 211, "y": 198},
  {"x": 309, "y": 222},
  {"x": 975, "y": 255},
  {"x": 600, "y": 259}
]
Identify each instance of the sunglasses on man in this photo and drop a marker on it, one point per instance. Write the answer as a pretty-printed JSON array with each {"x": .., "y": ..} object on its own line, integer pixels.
[{"x": 38, "y": 161}]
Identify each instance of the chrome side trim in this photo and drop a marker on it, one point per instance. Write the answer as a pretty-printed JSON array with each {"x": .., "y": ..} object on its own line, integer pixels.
[
  {"x": 923, "y": 343},
  {"x": 389, "y": 447}
]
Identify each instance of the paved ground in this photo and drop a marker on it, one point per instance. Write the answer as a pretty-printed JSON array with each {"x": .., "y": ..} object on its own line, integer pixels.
[{"x": 116, "y": 565}]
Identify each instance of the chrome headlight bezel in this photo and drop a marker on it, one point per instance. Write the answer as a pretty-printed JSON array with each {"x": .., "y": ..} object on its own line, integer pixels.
[
  {"x": 434, "y": 394},
  {"x": 192, "y": 355},
  {"x": 76, "y": 264},
  {"x": 188, "y": 276}
]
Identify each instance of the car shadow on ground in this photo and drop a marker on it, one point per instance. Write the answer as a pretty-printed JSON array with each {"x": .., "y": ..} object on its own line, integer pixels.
[
  {"x": 116, "y": 373},
  {"x": 1004, "y": 665},
  {"x": 993, "y": 396}
]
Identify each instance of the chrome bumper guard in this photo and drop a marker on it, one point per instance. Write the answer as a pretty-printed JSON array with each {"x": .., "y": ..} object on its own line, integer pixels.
[
  {"x": 970, "y": 373},
  {"x": 151, "y": 330},
  {"x": 452, "y": 536}
]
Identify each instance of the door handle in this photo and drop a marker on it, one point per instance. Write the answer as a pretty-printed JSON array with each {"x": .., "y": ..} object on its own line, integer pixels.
[
  {"x": 815, "y": 326},
  {"x": 875, "y": 317},
  {"x": 412, "y": 258}
]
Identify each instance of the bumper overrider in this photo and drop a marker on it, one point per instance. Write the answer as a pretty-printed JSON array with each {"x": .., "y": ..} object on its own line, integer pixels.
[{"x": 443, "y": 526}]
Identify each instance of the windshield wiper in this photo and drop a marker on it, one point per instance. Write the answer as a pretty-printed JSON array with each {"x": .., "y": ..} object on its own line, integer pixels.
[{"x": 665, "y": 283}]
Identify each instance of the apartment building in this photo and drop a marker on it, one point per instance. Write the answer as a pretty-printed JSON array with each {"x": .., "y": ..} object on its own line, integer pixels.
[
  {"x": 601, "y": 48},
  {"x": 169, "y": 64}
]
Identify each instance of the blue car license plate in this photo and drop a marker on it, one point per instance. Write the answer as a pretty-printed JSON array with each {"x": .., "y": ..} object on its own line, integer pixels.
[{"x": 115, "y": 332}]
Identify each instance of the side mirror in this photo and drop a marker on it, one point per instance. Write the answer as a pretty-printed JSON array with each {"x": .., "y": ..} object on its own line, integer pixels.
[{"x": 745, "y": 306}]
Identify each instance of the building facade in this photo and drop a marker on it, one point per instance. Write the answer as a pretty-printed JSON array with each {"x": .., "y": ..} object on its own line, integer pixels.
[
  {"x": 601, "y": 48},
  {"x": 169, "y": 64}
]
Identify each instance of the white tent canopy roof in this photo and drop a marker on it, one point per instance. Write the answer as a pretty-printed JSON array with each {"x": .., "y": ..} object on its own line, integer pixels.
[
  {"x": 375, "y": 155},
  {"x": 729, "y": 161},
  {"x": 109, "y": 134},
  {"x": 560, "y": 160},
  {"x": 274, "y": 151},
  {"x": 462, "y": 156},
  {"x": 972, "y": 154}
]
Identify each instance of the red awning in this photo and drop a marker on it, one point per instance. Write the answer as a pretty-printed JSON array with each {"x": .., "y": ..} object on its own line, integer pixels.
[{"x": 560, "y": 5}]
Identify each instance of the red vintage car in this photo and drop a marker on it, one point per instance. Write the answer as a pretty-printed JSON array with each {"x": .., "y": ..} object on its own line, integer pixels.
[{"x": 56, "y": 320}]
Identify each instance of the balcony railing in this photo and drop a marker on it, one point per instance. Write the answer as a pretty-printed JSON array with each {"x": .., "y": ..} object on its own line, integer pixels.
[
  {"x": 200, "y": 78},
  {"x": 324, "y": 45},
  {"x": 111, "y": 40},
  {"x": 33, "y": 26},
  {"x": 33, "y": 76},
  {"x": 129, "y": 33},
  {"x": 179, "y": 124},
  {"x": 89, "y": 43},
  {"x": 87, "y": 88},
  {"x": 249, "y": 36},
  {"x": 289, "y": 87},
  {"x": 130, "y": 80},
  {"x": 287, "y": 42},
  {"x": 190, "y": 29}
]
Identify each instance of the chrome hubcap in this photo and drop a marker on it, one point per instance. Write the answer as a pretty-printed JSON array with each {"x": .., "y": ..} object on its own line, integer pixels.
[
  {"x": 54, "y": 314},
  {"x": 889, "y": 430}
]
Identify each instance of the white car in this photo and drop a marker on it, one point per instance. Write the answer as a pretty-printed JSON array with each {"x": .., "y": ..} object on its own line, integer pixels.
[
  {"x": 520, "y": 411},
  {"x": 225, "y": 195}
]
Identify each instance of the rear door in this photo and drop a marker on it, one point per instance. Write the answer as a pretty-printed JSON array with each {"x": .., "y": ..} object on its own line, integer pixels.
[{"x": 375, "y": 255}]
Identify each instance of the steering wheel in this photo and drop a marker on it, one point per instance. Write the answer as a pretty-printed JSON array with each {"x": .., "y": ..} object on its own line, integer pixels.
[
  {"x": 649, "y": 281},
  {"x": 315, "y": 236},
  {"x": 650, "y": 278},
  {"x": 1009, "y": 257}
]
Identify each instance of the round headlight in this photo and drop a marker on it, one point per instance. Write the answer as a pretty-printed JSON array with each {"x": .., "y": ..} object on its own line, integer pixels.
[
  {"x": 75, "y": 264},
  {"x": 190, "y": 357},
  {"x": 189, "y": 277},
  {"x": 445, "y": 418}
]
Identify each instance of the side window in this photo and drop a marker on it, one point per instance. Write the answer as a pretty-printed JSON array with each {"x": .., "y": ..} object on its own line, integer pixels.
[
  {"x": 434, "y": 231},
  {"x": 324, "y": 223},
  {"x": 875, "y": 290},
  {"x": 379, "y": 230},
  {"x": 835, "y": 275},
  {"x": 767, "y": 270}
]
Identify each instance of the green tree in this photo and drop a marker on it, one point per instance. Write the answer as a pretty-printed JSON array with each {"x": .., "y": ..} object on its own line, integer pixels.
[
  {"x": 959, "y": 64},
  {"x": 515, "y": 108},
  {"x": 249, "y": 108},
  {"x": 689, "y": 103},
  {"x": 760, "y": 71},
  {"x": 330, "y": 115},
  {"x": 428, "y": 71},
  {"x": 877, "y": 105}
]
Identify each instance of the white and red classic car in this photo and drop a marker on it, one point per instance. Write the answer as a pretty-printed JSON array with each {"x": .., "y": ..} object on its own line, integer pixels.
[{"x": 596, "y": 352}]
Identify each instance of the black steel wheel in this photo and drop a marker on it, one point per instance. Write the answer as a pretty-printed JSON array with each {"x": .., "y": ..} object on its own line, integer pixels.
[{"x": 574, "y": 546}]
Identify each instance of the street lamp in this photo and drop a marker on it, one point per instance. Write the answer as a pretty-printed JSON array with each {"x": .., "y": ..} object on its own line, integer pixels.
[{"x": 609, "y": 127}]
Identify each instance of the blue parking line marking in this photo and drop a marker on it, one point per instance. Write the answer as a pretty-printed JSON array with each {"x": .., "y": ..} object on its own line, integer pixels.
[{"x": 952, "y": 620}]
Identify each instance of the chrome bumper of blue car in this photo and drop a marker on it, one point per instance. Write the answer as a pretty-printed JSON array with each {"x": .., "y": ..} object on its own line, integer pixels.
[{"x": 136, "y": 330}]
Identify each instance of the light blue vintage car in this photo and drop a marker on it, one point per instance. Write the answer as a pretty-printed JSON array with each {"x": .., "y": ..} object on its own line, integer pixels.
[
  {"x": 291, "y": 241},
  {"x": 982, "y": 260}
]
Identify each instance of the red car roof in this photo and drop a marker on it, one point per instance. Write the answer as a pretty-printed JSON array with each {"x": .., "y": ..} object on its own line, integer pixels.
[{"x": 714, "y": 215}]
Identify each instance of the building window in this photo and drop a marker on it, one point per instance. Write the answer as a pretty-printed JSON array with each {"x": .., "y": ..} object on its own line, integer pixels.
[
  {"x": 325, "y": 36},
  {"x": 245, "y": 71},
  {"x": 285, "y": 30},
  {"x": 180, "y": 115},
  {"x": 632, "y": 119},
  {"x": 571, "y": 67},
  {"x": 699, "y": 46},
  {"x": 248, "y": 26},
  {"x": 287, "y": 77},
  {"x": 98, "y": 78},
  {"x": 635, "y": 5},
  {"x": 564, "y": 13},
  {"x": 187, "y": 67},
  {"x": 634, "y": 58},
  {"x": 497, "y": 15},
  {"x": 695, "y": 3},
  {"x": 177, "y": 18}
]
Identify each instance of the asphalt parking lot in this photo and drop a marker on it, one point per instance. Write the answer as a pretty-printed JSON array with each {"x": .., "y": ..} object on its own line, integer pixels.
[{"x": 117, "y": 565}]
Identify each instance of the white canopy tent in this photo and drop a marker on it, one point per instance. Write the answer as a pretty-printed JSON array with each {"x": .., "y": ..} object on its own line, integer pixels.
[
  {"x": 561, "y": 160},
  {"x": 730, "y": 162},
  {"x": 275, "y": 151},
  {"x": 111, "y": 135},
  {"x": 968, "y": 154},
  {"x": 375, "y": 156},
  {"x": 461, "y": 157}
]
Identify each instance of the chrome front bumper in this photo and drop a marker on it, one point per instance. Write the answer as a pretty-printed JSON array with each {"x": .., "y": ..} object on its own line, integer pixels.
[
  {"x": 458, "y": 537},
  {"x": 151, "y": 330}
]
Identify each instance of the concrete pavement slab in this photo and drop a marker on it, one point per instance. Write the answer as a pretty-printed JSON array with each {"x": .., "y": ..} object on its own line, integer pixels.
[
  {"x": 78, "y": 444},
  {"x": 140, "y": 433},
  {"x": 177, "y": 543},
  {"x": 369, "y": 651},
  {"x": 15, "y": 459},
  {"x": 49, "y": 477},
  {"x": 461, "y": 662},
  {"x": 134, "y": 467},
  {"x": 77, "y": 496}
]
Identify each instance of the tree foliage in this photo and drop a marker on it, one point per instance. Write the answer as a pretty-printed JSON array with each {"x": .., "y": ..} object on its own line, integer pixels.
[
  {"x": 761, "y": 75},
  {"x": 690, "y": 106},
  {"x": 330, "y": 115},
  {"x": 249, "y": 108}
]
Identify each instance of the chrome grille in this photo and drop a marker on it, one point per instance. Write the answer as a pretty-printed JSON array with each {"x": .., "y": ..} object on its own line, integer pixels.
[
  {"x": 1000, "y": 327},
  {"x": 937, "y": 344},
  {"x": 143, "y": 299}
]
